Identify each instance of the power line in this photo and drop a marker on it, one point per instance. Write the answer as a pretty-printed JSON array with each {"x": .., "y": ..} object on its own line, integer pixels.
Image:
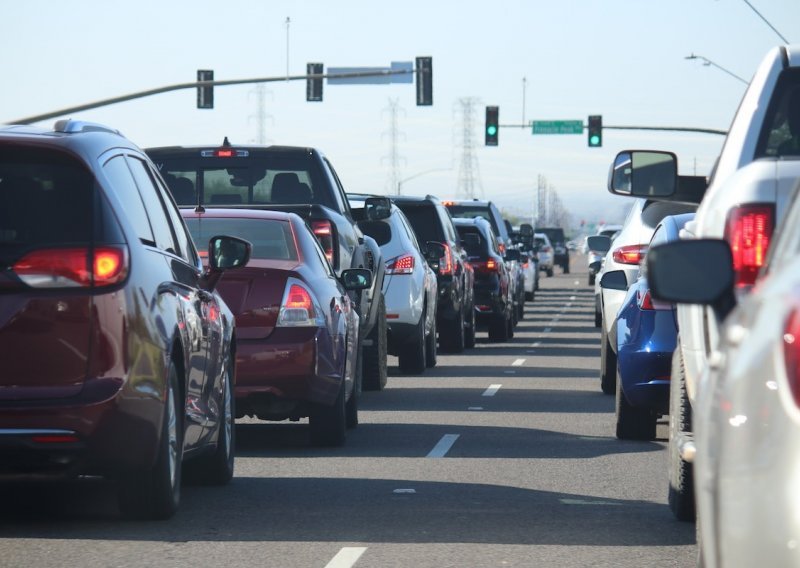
[{"x": 780, "y": 35}]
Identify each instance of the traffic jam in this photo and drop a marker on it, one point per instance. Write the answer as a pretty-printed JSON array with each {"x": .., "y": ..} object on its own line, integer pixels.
[{"x": 177, "y": 319}]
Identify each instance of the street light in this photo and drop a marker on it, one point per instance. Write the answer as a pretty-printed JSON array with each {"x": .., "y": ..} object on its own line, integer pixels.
[
  {"x": 707, "y": 62},
  {"x": 409, "y": 178}
]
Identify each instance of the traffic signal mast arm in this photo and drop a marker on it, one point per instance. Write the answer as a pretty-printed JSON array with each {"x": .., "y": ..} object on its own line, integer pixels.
[{"x": 665, "y": 128}]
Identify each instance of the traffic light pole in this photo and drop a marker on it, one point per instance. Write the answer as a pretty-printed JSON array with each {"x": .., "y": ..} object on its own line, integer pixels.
[
  {"x": 196, "y": 84},
  {"x": 667, "y": 128}
]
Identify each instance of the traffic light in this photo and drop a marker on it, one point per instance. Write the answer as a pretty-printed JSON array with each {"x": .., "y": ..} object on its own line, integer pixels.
[
  {"x": 492, "y": 126},
  {"x": 424, "y": 81},
  {"x": 595, "y": 131},
  {"x": 314, "y": 86},
  {"x": 205, "y": 95}
]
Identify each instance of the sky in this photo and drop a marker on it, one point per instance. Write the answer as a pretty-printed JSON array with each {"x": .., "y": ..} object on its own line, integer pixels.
[{"x": 622, "y": 59}]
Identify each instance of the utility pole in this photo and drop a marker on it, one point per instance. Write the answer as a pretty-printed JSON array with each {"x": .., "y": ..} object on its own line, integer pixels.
[
  {"x": 288, "y": 21},
  {"x": 524, "y": 85},
  {"x": 394, "y": 135}
]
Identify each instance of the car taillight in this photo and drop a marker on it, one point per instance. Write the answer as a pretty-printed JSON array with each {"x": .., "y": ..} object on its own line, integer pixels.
[
  {"x": 446, "y": 263},
  {"x": 324, "y": 232},
  {"x": 629, "y": 254},
  {"x": 791, "y": 352},
  {"x": 401, "y": 265},
  {"x": 645, "y": 302},
  {"x": 73, "y": 267},
  {"x": 748, "y": 232},
  {"x": 491, "y": 266},
  {"x": 502, "y": 248},
  {"x": 298, "y": 308}
]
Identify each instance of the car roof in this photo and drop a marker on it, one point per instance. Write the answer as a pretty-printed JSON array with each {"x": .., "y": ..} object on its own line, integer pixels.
[
  {"x": 222, "y": 213},
  {"x": 252, "y": 148}
]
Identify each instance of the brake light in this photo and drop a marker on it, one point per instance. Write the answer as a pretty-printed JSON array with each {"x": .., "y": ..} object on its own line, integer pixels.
[
  {"x": 491, "y": 266},
  {"x": 748, "y": 231},
  {"x": 73, "y": 267},
  {"x": 791, "y": 353},
  {"x": 629, "y": 254},
  {"x": 502, "y": 248},
  {"x": 644, "y": 300},
  {"x": 298, "y": 308},
  {"x": 324, "y": 232},
  {"x": 224, "y": 153},
  {"x": 400, "y": 265},
  {"x": 446, "y": 262}
]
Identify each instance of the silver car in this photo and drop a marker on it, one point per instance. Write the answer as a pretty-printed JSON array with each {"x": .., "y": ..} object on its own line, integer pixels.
[
  {"x": 544, "y": 252},
  {"x": 409, "y": 286}
]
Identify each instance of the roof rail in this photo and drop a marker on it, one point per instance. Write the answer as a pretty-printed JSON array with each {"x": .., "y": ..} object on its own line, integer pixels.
[{"x": 69, "y": 126}]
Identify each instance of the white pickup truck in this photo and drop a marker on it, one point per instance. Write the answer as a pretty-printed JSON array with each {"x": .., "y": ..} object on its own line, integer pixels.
[{"x": 745, "y": 199}]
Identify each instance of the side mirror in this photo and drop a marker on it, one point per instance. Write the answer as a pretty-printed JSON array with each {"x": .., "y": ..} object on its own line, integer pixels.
[
  {"x": 614, "y": 280},
  {"x": 356, "y": 278},
  {"x": 524, "y": 258},
  {"x": 434, "y": 251},
  {"x": 644, "y": 173},
  {"x": 526, "y": 229},
  {"x": 599, "y": 243},
  {"x": 594, "y": 267},
  {"x": 228, "y": 252},
  {"x": 693, "y": 272},
  {"x": 377, "y": 208},
  {"x": 512, "y": 255}
]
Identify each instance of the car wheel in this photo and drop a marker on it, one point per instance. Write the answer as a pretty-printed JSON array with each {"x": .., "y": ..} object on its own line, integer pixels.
[
  {"x": 529, "y": 296},
  {"x": 510, "y": 323},
  {"x": 453, "y": 338},
  {"x": 327, "y": 424},
  {"x": 681, "y": 473},
  {"x": 412, "y": 355},
  {"x": 217, "y": 468},
  {"x": 155, "y": 494},
  {"x": 521, "y": 307},
  {"x": 375, "y": 374},
  {"x": 633, "y": 423},
  {"x": 565, "y": 267},
  {"x": 430, "y": 344},
  {"x": 498, "y": 328},
  {"x": 608, "y": 365},
  {"x": 469, "y": 332},
  {"x": 591, "y": 280},
  {"x": 351, "y": 406},
  {"x": 549, "y": 272},
  {"x": 598, "y": 319}
]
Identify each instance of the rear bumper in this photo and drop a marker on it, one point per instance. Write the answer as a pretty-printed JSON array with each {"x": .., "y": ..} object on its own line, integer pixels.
[{"x": 645, "y": 377}]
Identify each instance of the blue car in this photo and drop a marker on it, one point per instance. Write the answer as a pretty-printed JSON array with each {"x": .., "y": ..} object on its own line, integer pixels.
[{"x": 646, "y": 338}]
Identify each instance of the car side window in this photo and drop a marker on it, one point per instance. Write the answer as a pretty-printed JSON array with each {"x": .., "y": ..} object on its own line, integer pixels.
[
  {"x": 407, "y": 228},
  {"x": 326, "y": 266},
  {"x": 123, "y": 186},
  {"x": 184, "y": 239},
  {"x": 338, "y": 190},
  {"x": 447, "y": 223},
  {"x": 155, "y": 208}
]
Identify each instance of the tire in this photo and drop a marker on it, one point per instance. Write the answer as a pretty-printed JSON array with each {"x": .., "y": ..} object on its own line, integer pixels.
[
  {"x": 549, "y": 272},
  {"x": 510, "y": 325},
  {"x": 521, "y": 306},
  {"x": 412, "y": 355},
  {"x": 498, "y": 328},
  {"x": 469, "y": 332},
  {"x": 598, "y": 319},
  {"x": 633, "y": 423},
  {"x": 217, "y": 468},
  {"x": 591, "y": 280},
  {"x": 453, "y": 339},
  {"x": 156, "y": 493},
  {"x": 565, "y": 267},
  {"x": 608, "y": 365},
  {"x": 327, "y": 424},
  {"x": 375, "y": 374},
  {"x": 529, "y": 296},
  {"x": 430, "y": 344},
  {"x": 351, "y": 406},
  {"x": 681, "y": 473}
]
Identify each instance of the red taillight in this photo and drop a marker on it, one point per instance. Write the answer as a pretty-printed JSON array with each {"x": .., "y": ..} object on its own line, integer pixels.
[
  {"x": 644, "y": 300},
  {"x": 72, "y": 267},
  {"x": 324, "y": 232},
  {"x": 401, "y": 265},
  {"x": 748, "y": 231},
  {"x": 629, "y": 254},
  {"x": 297, "y": 308},
  {"x": 502, "y": 248},
  {"x": 491, "y": 266},
  {"x": 446, "y": 263},
  {"x": 791, "y": 353}
]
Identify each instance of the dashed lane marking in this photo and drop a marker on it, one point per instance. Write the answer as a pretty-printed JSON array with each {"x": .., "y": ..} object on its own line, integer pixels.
[
  {"x": 443, "y": 446},
  {"x": 492, "y": 390},
  {"x": 346, "y": 557},
  {"x": 518, "y": 363}
]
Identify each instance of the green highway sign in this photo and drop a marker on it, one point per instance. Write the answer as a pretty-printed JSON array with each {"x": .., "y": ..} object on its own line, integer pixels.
[{"x": 557, "y": 126}]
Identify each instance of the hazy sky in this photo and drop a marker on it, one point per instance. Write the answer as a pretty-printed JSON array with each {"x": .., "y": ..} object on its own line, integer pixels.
[{"x": 622, "y": 59}]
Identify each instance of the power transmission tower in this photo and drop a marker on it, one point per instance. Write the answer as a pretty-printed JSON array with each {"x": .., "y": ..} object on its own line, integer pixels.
[
  {"x": 260, "y": 115},
  {"x": 394, "y": 157},
  {"x": 541, "y": 199},
  {"x": 468, "y": 174}
]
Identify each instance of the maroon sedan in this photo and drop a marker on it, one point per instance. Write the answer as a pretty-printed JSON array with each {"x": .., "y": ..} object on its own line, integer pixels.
[{"x": 297, "y": 330}]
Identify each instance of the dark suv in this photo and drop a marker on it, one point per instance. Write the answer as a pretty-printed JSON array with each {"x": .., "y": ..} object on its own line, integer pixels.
[
  {"x": 493, "y": 301},
  {"x": 455, "y": 313},
  {"x": 118, "y": 355},
  {"x": 560, "y": 250}
]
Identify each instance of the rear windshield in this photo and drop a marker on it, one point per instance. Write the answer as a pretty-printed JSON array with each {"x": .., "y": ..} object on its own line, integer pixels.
[
  {"x": 555, "y": 235},
  {"x": 780, "y": 135},
  {"x": 278, "y": 179},
  {"x": 271, "y": 239},
  {"x": 468, "y": 212},
  {"x": 425, "y": 222},
  {"x": 46, "y": 199},
  {"x": 480, "y": 249}
]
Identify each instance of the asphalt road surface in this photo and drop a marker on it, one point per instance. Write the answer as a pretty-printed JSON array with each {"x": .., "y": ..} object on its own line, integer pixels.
[{"x": 504, "y": 455}]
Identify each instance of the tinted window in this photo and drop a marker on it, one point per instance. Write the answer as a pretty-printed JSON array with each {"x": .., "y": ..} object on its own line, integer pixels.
[
  {"x": 447, "y": 224},
  {"x": 481, "y": 248},
  {"x": 155, "y": 208},
  {"x": 425, "y": 222},
  {"x": 45, "y": 198},
  {"x": 470, "y": 211},
  {"x": 271, "y": 238},
  {"x": 781, "y": 132},
  {"x": 187, "y": 249},
  {"x": 125, "y": 189}
]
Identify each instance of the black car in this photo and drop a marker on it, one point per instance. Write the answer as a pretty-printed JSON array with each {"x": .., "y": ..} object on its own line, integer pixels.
[
  {"x": 455, "y": 313},
  {"x": 560, "y": 250},
  {"x": 494, "y": 303}
]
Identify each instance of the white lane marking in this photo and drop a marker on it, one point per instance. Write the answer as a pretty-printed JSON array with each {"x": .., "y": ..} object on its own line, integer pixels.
[
  {"x": 548, "y": 329},
  {"x": 536, "y": 344},
  {"x": 475, "y": 408},
  {"x": 577, "y": 283},
  {"x": 572, "y": 298},
  {"x": 492, "y": 390},
  {"x": 585, "y": 502},
  {"x": 443, "y": 446},
  {"x": 346, "y": 557},
  {"x": 518, "y": 363},
  {"x": 405, "y": 491}
]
